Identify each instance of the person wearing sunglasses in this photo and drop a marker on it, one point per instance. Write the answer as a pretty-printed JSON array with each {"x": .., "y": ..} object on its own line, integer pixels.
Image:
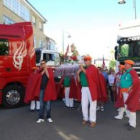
[
  {"x": 47, "y": 92},
  {"x": 88, "y": 77}
]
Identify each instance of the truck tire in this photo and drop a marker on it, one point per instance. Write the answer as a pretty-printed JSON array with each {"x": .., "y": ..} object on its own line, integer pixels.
[{"x": 13, "y": 96}]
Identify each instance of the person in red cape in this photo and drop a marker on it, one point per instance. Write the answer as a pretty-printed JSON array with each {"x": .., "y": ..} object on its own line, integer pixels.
[
  {"x": 30, "y": 90},
  {"x": 68, "y": 86},
  {"x": 89, "y": 78},
  {"x": 45, "y": 90},
  {"x": 130, "y": 92},
  {"x": 103, "y": 90},
  {"x": 74, "y": 89},
  {"x": 119, "y": 101}
]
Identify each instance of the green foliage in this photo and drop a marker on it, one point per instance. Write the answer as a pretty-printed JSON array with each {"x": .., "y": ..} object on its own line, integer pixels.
[{"x": 112, "y": 64}]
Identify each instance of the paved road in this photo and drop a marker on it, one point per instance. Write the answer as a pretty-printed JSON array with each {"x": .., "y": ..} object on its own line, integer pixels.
[{"x": 20, "y": 124}]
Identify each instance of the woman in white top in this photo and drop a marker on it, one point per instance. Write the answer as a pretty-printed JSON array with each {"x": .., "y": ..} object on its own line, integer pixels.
[{"x": 111, "y": 79}]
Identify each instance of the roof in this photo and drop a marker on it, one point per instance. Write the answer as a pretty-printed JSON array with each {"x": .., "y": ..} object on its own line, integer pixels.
[
  {"x": 50, "y": 39},
  {"x": 36, "y": 11}
]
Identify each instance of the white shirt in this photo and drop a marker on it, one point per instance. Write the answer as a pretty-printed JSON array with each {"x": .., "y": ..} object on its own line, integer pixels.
[{"x": 111, "y": 79}]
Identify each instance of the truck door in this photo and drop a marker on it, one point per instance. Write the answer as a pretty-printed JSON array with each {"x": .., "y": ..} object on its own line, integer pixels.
[{"x": 4, "y": 54}]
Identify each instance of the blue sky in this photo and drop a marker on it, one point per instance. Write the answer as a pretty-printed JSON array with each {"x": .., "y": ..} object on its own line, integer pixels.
[{"x": 93, "y": 24}]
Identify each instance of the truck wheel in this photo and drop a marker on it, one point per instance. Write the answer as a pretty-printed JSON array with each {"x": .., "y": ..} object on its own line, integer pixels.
[{"x": 13, "y": 96}]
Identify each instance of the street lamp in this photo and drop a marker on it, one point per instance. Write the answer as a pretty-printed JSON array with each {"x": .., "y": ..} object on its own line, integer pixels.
[
  {"x": 134, "y": 5},
  {"x": 121, "y": 2}
]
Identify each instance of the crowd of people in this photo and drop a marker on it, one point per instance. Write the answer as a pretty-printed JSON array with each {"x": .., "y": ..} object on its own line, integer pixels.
[{"x": 91, "y": 86}]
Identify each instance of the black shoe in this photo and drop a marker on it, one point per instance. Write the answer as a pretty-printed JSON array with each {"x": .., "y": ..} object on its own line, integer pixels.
[
  {"x": 66, "y": 106},
  {"x": 131, "y": 128},
  {"x": 32, "y": 110},
  {"x": 127, "y": 124},
  {"x": 72, "y": 107}
]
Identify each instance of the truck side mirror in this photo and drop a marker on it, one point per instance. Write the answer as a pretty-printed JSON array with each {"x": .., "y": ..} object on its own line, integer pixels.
[{"x": 116, "y": 52}]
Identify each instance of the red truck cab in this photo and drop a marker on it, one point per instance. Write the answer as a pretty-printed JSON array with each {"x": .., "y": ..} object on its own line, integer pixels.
[{"x": 17, "y": 58}]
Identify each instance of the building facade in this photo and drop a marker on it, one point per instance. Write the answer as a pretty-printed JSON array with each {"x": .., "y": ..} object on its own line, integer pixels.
[
  {"x": 50, "y": 44},
  {"x": 13, "y": 11}
]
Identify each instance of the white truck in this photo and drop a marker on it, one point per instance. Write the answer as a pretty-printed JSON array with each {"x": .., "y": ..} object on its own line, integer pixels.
[
  {"x": 129, "y": 43},
  {"x": 52, "y": 57}
]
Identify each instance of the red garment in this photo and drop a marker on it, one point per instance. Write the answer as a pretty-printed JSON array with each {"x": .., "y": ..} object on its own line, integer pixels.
[
  {"x": 78, "y": 90},
  {"x": 133, "y": 101},
  {"x": 103, "y": 89},
  {"x": 50, "y": 91},
  {"x": 75, "y": 90},
  {"x": 93, "y": 79},
  {"x": 119, "y": 100},
  {"x": 118, "y": 95},
  {"x": 31, "y": 87},
  {"x": 60, "y": 88}
]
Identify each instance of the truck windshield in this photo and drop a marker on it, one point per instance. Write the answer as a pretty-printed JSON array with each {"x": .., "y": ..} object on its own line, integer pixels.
[
  {"x": 49, "y": 57},
  {"x": 129, "y": 49},
  {"x": 4, "y": 47}
]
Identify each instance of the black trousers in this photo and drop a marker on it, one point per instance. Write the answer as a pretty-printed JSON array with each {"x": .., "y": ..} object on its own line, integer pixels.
[{"x": 111, "y": 93}]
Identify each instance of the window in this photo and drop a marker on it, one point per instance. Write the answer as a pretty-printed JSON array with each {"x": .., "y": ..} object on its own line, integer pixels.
[
  {"x": 33, "y": 20},
  {"x": 7, "y": 20},
  {"x": 18, "y": 8},
  {"x": 124, "y": 50},
  {"x": 9, "y": 4},
  {"x": 48, "y": 57},
  {"x": 22, "y": 11},
  {"x": 40, "y": 26},
  {"x": 15, "y": 6},
  {"x": 130, "y": 49},
  {"x": 5, "y": 2},
  {"x": 27, "y": 15},
  {"x": 41, "y": 44},
  {"x": 4, "y": 47}
]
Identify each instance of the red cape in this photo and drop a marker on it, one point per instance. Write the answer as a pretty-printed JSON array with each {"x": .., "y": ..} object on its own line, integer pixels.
[
  {"x": 31, "y": 87},
  {"x": 78, "y": 91},
  {"x": 133, "y": 102},
  {"x": 103, "y": 89},
  {"x": 75, "y": 92},
  {"x": 75, "y": 89},
  {"x": 119, "y": 100},
  {"x": 72, "y": 88},
  {"x": 60, "y": 88},
  {"x": 50, "y": 91},
  {"x": 93, "y": 79}
]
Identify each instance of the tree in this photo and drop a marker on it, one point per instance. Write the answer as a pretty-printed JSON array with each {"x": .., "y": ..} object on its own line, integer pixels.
[{"x": 112, "y": 64}]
